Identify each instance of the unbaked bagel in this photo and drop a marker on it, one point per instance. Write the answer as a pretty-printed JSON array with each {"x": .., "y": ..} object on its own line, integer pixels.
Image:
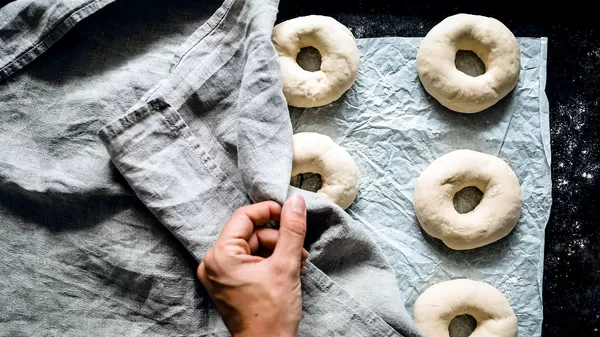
[
  {"x": 493, "y": 218},
  {"x": 440, "y": 303},
  {"x": 493, "y": 43},
  {"x": 339, "y": 59},
  {"x": 317, "y": 153}
]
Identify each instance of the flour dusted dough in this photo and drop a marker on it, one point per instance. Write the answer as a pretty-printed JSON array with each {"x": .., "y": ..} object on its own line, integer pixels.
[
  {"x": 440, "y": 303},
  {"x": 317, "y": 153},
  {"x": 493, "y": 218},
  {"x": 493, "y": 43},
  {"x": 339, "y": 59}
]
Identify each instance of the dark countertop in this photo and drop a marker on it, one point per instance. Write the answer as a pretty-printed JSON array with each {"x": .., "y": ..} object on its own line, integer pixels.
[{"x": 572, "y": 261}]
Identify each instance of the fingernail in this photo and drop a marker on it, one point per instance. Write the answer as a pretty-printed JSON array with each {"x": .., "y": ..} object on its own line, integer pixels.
[{"x": 298, "y": 204}]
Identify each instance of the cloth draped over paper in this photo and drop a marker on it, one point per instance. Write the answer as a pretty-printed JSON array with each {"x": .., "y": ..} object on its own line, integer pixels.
[{"x": 129, "y": 136}]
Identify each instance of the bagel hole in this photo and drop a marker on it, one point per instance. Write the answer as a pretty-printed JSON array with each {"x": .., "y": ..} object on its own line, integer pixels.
[
  {"x": 462, "y": 326},
  {"x": 307, "y": 181},
  {"x": 309, "y": 59},
  {"x": 467, "y": 199},
  {"x": 469, "y": 63}
]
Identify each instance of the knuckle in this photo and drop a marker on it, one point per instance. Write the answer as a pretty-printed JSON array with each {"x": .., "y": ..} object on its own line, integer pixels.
[
  {"x": 209, "y": 254},
  {"x": 209, "y": 258},
  {"x": 239, "y": 212},
  {"x": 296, "y": 226},
  {"x": 201, "y": 273}
]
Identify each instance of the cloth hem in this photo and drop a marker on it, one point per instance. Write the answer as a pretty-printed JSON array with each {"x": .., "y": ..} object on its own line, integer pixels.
[
  {"x": 42, "y": 44},
  {"x": 199, "y": 34},
  {"x": 118, "y": 126}
]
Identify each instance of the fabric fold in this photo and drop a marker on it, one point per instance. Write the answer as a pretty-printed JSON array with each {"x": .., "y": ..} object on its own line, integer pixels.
[
  {"x": 24, "y": 39},
  {"x": 216, "y": 135}
]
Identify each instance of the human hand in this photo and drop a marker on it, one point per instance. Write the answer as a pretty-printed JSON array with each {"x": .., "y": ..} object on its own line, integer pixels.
[{"x": 253, "y": 273}]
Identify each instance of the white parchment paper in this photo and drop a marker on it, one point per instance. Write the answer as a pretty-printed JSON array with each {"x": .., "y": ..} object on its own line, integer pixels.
[{"x": 394, "y": 129}]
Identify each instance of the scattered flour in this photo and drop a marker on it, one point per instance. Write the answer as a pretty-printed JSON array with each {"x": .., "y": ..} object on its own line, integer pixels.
[
  {"x": 594, "y": 53},
  {"x": 511, "y": 285},
  {"x": 575, "y": 152}
]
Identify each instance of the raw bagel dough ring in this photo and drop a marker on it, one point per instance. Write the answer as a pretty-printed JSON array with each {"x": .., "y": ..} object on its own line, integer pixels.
[
  {"x": 317, "y": 153},
  {"x": 339, "y": 59},
  {"x": 439, "y": 304},
  {"x": 492, "y": 219},
  {"x": 493, "y": 43}
]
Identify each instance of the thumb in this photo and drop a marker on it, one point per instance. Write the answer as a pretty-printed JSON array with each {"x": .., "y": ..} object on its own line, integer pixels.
[{"x": 292, "y": 230}]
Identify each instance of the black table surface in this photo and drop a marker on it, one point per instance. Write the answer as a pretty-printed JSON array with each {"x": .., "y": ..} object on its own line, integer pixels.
[
  {"x": 572, "y": 255},
  {"x": 572, "y": 251}
]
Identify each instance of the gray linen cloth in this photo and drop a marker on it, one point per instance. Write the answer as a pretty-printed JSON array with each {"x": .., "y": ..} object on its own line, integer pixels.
[{"x": 81, "y": 253}]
